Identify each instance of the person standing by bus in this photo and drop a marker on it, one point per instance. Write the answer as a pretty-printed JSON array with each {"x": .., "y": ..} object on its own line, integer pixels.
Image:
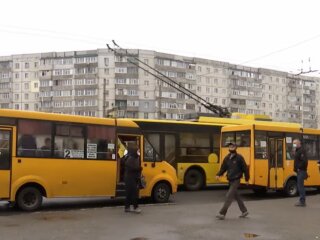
[
  {"x": 300, "y": 167},
  {"x": 235, "y": 166},
  {"x": 132, "y": 174}
]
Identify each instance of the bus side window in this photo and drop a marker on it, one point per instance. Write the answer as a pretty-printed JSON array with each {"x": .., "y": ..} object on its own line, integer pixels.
[
  {"x": 72, "y": 139},
  {"x": 31, "y": 135},
  {"x": 152, "y": 147},
  {"x": 243, "y": 139},
  {"x": 100, "y": 142},
  {"x": 261, "y": 144}
]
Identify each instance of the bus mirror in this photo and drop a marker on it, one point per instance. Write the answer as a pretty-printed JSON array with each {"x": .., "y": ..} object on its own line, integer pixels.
[{"x": 213, "y": 158}]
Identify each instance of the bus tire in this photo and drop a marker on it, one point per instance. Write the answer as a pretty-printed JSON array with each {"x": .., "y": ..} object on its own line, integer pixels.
[
  {"x": 291, "y": 188},
  {"x": 161, "y": 192},
  {"x": 193, "y": 180},
  {"x": 29, "y": 199}
]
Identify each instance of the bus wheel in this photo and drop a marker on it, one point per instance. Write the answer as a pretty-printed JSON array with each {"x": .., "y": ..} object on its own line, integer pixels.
[
  {"x": 161, "y": 192},
  {"x": 193, "y": 180},
  {"x": 29, "y": 199},
  {"x": 291, "y": 188}
]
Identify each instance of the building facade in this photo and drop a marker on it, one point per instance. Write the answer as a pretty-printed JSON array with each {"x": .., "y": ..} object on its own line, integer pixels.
[{"x": 100, "y": 83}]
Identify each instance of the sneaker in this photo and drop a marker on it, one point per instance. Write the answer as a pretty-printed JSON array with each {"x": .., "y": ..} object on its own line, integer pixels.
[
  {"x": 220, "y": 217},
  {"x": 300, "y": 204},
  {"x": 244, "y": 214},
  {"x": 137, "y": 210}
]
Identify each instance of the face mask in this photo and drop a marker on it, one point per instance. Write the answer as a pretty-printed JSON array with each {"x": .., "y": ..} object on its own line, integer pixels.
[
  {"x": 232, "y": 151},
  {"x": 294, "y": 145}
]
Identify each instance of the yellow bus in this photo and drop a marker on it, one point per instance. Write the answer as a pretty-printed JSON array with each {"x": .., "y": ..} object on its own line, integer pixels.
[
  {"x": 193, "y": 148},
  {"x": 54, "y": 155},
  {"x": 268, "y": 152}
]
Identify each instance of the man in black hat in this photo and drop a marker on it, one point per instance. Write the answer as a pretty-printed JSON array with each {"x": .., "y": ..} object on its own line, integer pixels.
[{"x": 235, "y": 166}]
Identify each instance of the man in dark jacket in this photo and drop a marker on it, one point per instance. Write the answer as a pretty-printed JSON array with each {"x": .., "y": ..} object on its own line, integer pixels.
[
  {"x": 300, "y": 167},
  {"x": 132, "y": 174},
  {"x": 235, "y": 166}
]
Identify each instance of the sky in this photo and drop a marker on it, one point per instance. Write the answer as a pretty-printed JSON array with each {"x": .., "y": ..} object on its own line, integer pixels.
[{"x": 277, "y": 34}]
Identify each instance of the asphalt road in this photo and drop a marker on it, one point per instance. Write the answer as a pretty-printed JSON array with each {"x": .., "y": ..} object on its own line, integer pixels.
[{"x": 189, "y": 215}]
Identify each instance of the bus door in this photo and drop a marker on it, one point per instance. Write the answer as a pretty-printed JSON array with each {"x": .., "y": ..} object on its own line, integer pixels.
[
  {"x": 123, "y": 142},
  {"x": 276, "y": 147},
  {"x": 5, "y": 161}
]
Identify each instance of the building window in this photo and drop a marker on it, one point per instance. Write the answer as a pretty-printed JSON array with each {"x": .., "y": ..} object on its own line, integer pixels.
[
  {"x": 120, "y": 70},
  {"x": 26, "y": 75},
  {"x": 26, "y": 96},
  {"x": 146, "y": 105},
  {"x": 146, "y": 116},
  {"x": 26, "y": 86},
  {"x": 17, "y": 66},
  {"x": 26, "y": 65},
  {"x": 106, "y": 61},
  {"x": 26, "y": 106},
  {"x": 17, "y": 75}
]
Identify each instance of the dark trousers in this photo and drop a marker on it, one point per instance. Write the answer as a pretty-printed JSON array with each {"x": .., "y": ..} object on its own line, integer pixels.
[
  {"x": 301, "y": 176},
  {"x": 231, "y": 195},
  {"x": 132, "y": 193}
]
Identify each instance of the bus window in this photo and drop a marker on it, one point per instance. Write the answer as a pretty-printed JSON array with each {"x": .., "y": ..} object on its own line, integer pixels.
[
  {"x": 100, "y": 143},
  {"x": 261, "y": 145},
  {"x": 170, "y": 148},
  {"x": 5, "y": 150},
  {"x": 195, "y": 144},
  {"x": 70, "y": 141},
  {"x": 34, "y": 138},
  {"x": 216, "y": 144},
  {"x": 151, "y": 147},
  {"x": 310, "y": 145},
  {"x": 243, "y": 139},
  {"x": 227, "y": 137},
  {"x": 289, "y": 148}
]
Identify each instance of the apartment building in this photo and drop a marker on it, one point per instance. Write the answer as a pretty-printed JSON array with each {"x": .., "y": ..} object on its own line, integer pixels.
[{"x": 100, "y": 83}]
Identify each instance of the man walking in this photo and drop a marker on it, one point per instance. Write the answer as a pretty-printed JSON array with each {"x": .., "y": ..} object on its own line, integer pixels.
[
  {"x": 235, "y": 166},
  {"x": 300, "y": 167}
]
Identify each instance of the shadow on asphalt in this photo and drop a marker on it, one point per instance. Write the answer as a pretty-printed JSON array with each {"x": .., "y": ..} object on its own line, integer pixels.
[
  {"x": 68, "y": 204},
  {"x": 248, "y": 195},
  {"x": 72, "y": 204}
]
